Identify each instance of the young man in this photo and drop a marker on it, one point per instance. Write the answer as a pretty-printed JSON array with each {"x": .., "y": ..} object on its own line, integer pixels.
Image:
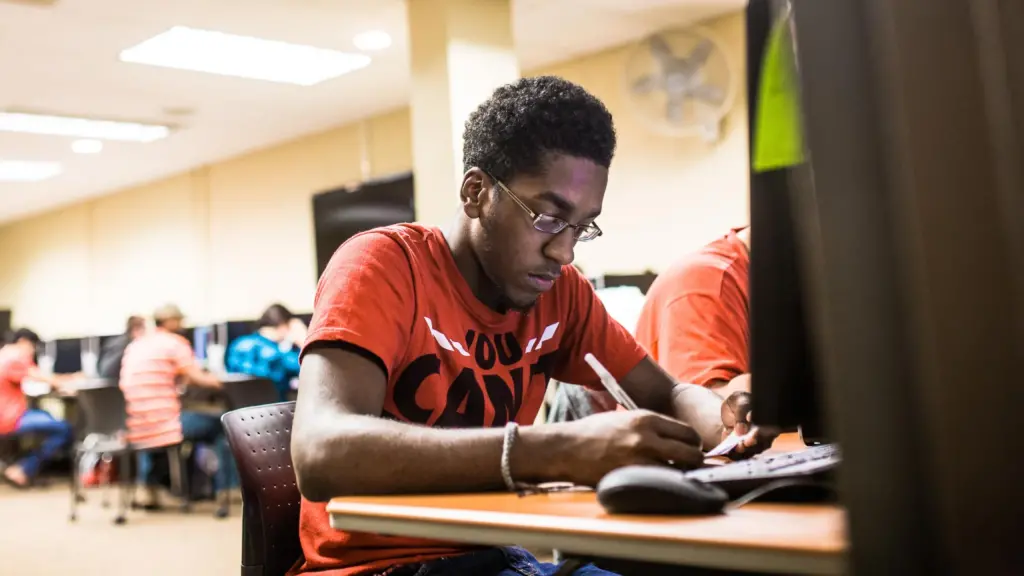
[
  {"x": 695, "y": 320},
  {"x": 424, "y": 345},
  {"x": 17, "y": 363},
  {"x": 272, "y": 351},
  {"x": 151, "y": 367}
]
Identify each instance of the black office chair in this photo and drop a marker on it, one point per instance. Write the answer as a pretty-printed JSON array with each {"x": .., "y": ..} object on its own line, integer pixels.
[
  {"x": 103, "y": 408},
  {"x": 260, "y": 440},
  {"x": 243, "y": 392}
]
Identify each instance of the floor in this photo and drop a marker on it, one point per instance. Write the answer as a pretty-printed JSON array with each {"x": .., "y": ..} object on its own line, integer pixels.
[{"x": 39, "y": 540}]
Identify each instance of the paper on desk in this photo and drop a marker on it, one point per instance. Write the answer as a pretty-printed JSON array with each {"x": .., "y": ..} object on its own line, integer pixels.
[{"x": 726, "y": 446}]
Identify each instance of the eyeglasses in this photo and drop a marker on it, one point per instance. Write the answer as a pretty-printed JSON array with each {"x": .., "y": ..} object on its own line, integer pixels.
[{"x": 550, "y": 224}]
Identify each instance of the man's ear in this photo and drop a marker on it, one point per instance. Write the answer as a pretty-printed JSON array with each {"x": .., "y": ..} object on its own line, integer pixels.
[{"x": 474, "y": 192}]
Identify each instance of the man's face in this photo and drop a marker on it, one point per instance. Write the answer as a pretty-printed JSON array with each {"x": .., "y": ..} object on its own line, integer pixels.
[
  {"x": 26, "y": 347},
  {"x": 279, "y": 333},
  {"x": 520, "y": 260}
]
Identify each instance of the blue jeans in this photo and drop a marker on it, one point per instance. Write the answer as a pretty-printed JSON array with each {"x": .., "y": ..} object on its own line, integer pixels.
[
  {"x": 510, "y": 561},
  {"x": 56, "y": 435},
  {"x": 205, "y": 428}
]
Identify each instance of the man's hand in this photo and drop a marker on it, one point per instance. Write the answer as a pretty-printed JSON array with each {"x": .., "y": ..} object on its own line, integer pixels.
[
  {"x": 297, "y": 331},
  {"x": 585, "y": 450},
  {"x": 736, "y": 417}
]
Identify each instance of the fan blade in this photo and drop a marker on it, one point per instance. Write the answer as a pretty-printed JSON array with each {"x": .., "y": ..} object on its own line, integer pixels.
[
  {"x": 710, "y": 94},
  {"x": 647, "y": 84},
  {"x": 674, "y": 109},
  {"x": 661, "y": 51},
  {"x": 700, "y": 55}
]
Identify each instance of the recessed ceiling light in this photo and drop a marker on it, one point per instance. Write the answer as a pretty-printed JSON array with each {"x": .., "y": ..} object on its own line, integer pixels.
[
  {"x": 372, "y": 40},
  {"x": 80, "y": 127},
  {"x": 28, "y": 170},
  {"x": 214, "y": 52},
  {"x": 87, "y": 146}
]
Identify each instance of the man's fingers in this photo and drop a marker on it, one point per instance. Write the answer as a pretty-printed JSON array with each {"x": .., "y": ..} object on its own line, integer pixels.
[
  {"x": 683, "y": 455},
  {"x": 756, "y": 441},
  {"x": 674, "y": 430},
  {"x": 736, "y": 409}
]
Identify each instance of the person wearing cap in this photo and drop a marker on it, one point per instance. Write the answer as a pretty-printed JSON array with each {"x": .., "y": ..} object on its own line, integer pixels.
[{"x": 150, "y": 369}]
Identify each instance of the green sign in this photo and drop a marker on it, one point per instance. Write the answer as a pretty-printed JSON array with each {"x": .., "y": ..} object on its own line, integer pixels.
[{"x": 779, "y": 132}]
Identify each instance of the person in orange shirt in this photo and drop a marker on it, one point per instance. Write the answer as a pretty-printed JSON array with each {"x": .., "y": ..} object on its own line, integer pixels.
[
  {"x": 695, "y": 319},
  {"x": 429, "y": 351},
  {"x": 17, "y": 363}
]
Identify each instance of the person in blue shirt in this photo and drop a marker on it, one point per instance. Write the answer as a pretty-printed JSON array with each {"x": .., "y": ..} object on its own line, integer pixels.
[{"x": 272, "y": 351}]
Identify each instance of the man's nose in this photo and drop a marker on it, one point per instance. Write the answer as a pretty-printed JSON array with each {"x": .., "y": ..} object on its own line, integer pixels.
[{"x": 561, "y": 247}]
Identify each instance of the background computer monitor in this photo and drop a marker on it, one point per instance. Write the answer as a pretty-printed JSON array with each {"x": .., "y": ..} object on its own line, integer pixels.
[
  {"x": 340, "y": 214},
  {"x": 68, "y": 359},
  {"x": 238, "y": 328},
  {"x": 202, "y": 336},
  {"x": 784, "y": 376}
]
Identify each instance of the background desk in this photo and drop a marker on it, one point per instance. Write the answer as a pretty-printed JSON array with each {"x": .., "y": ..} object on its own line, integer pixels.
[{"x": 783, "y": 538}]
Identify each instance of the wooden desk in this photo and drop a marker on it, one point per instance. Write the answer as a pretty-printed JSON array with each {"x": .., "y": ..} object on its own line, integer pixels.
[{"x": 783, "y": 538}]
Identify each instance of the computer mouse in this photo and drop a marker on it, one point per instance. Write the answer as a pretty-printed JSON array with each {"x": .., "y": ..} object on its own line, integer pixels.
[{"x": 657, "y": 490}]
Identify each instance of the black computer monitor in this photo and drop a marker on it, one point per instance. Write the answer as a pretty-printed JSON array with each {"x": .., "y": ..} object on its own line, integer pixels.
[
  {"x": 784, "y": 375},
  {"x": 238, "y": 328},
  {"x": 68, "y": 358}
]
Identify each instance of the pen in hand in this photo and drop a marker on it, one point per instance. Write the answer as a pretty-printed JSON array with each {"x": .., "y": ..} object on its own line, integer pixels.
[{"x": 610, "y": 383}]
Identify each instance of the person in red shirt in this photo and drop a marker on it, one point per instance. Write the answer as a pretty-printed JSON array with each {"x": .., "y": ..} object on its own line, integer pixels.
[
  {"x": 429, "y": 352},
  {"x": 695, "y": 319},
  {"x": 17, "y": 363}
]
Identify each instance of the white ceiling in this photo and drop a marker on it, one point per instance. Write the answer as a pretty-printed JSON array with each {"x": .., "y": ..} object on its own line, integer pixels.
[{"x": 63, "y": 59}]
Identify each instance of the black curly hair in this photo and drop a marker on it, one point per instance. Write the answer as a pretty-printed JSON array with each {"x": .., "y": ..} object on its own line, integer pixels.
[{"x": 515, "y": 130}]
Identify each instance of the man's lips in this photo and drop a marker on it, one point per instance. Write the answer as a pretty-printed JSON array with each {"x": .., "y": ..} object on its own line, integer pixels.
[{"x": 543, "y": 281}]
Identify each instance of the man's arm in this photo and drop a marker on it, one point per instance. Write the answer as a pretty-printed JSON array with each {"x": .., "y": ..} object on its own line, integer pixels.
[
  {"x": 653, "y": 389},
  {"x": 340, "y": 446},
  {"x": 726, "y": 388},
  {"x": 200, "y": 377},
  {"x": 337, "y": 432},
  {"x": 58, "y": 381}
]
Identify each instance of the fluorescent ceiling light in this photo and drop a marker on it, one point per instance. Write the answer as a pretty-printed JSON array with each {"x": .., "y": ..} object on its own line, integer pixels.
[
  {"x": 27, "y": 170},
  {"x": 80, "y": 127},
  {"x": 372, "y": 40},
  {"x": 214, "y": 52},
  {"x": 87, "y": 146}
]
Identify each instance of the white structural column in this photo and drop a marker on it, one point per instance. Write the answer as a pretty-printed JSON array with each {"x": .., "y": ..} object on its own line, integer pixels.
[{"x": 460, "y": 51}]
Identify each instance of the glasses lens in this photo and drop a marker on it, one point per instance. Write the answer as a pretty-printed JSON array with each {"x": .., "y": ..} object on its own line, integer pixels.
[
  {"x": 587, "y": 234},
  {"x": 549, "y": 224}
]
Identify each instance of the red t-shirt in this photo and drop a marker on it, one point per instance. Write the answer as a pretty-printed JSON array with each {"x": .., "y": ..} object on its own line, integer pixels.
[
  {"x": 14, "y": 366},
  {"x": 451, "y": 361},
  {"x": 694, "y": 322}
]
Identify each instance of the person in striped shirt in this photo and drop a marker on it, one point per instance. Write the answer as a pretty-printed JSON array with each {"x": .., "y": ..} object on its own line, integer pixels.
[{"x": 150, "y": 370}]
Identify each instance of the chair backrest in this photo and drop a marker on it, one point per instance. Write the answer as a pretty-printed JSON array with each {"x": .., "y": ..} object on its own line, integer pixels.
[
  {"x": 260, "y": 440},
  {"x": 103, "y": 407},
  {"x": 244, "y": 392}
]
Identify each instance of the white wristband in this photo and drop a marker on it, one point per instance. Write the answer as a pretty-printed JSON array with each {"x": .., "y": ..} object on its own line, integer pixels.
[{"x": 511, "y": 434}]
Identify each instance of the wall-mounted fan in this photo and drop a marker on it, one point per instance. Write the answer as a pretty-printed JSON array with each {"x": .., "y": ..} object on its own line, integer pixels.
[{"x": 680, "y": 83}]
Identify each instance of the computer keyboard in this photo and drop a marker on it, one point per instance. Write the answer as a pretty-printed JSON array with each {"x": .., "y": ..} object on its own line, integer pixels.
[{"x": 739, "y": 478}]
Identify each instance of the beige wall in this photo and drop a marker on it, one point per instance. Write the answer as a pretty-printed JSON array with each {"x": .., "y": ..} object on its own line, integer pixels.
[{"x": 226, "y": 240}]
